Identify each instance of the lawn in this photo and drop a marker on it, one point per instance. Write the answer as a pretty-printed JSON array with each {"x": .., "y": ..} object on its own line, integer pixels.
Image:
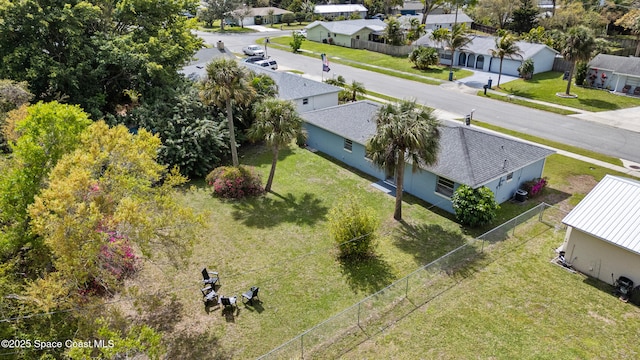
[
  {"x": 371, "y": 60},
  {"x": 280, "y": 243},
  {"x": 544, "y": 87}
]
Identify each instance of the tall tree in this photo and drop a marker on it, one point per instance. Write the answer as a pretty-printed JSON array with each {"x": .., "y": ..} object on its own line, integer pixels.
[
  {"x": 415, "y": 31},
  {"x": 631, "y": 21},
  {"x": 89, "y": 52},
  {"x": 496, "y": 12},
  {"x": 217, "y": 10},
  {"x": 524, "y": 18},
  {"x": 429, "y": 6},
  {"x": 457, "y": 39},
  {"x": 227, "y": 84},
  {"x": 505, "y": 47},
  {"x": 393, "y": 32},
  {"x": 403, "y": 130},
  {"x": 578, "y": 46},
  {"x": 277, "y": 123}
]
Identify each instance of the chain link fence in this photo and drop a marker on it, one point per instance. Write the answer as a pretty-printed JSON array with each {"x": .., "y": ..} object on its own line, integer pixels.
[{"x": 349, "y": 328}]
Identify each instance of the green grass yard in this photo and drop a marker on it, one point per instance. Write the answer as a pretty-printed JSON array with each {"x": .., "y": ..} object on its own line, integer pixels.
[
  {"x": 544, "y": 87},
  {"x": 372, "y": 61},
  {"x": 280, "y": 243}
]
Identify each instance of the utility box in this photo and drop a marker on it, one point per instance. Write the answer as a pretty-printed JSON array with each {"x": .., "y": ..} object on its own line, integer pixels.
[
  {"x": 220, "y": 45},
  {"x": 521, "y": 195}
]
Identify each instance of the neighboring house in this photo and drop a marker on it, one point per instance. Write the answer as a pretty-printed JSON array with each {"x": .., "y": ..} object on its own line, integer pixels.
[
  {"x": 437, "y": 21},
  {"x": 414, "y": 8},
  {"x": 196, "y": 69},
  {"x": 261, "y": 15},
  {"x": 614, "y": 72},
  {"x": 467, "y": 155},
  {"x": 337, "y": 10},
  {"x": 477, "y": 55},
  {"x": 307, "y": 94},
  {"x": 603, "y": 235},
  {"x": 341, "y": 32}
]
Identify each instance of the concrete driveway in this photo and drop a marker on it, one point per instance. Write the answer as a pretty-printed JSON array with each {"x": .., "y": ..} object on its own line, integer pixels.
[{"x": 481, "y": 78}]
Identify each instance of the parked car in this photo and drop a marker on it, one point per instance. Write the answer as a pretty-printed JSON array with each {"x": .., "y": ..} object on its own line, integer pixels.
[
  {"x": 302, "y": 32},
  {"x": 268, "y": 63},
  {"x": 253, "y": 59},
  {"x": 253, "y": 50},
  {"x": 230, "y": 22}
]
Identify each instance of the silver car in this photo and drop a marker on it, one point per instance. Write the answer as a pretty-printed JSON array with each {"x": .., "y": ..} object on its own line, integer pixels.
[{"x": 252, "y": 50}]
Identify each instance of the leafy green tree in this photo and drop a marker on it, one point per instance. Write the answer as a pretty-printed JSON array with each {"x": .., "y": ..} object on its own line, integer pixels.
[
  {"x": 12, "y": 96},
  {"x": 355, "y": 16},
  {"x": 393, "y": 32},
  {"x": 457, "y": 39},
  {"x": 357, "y": 88},
  {"x": 110, "y": 186},
  {"x": 631, "y": 21},
  {"x": 212, "y": 10},
  {"x": 277, "y": 123},
  {"x": 89, "y": 52},
  {"x": 497, "y": 12},
  {"x": 429, "y": 6},
  {"x": 424, "y": 57},
  {"x": 578, "y": 46},
  {"x": 264, "y": 85},
  {"x": 416, "y": 30},
  {"x": 288, "y": 18},
  {"x": 403, "y": 130},
  {"x": 337, "y": 81},
  {"x": 227, "y": 83},
  {"x": 49, "y": 131},
  {"x": 194, "y": 136},
  {"x": 505, "y": 47},
  {"x": 524, "y": 18},
  {"x": 474, "y": 207},
  {"x": 353, "y": 228},
  {"x": 296, "y": 42}
]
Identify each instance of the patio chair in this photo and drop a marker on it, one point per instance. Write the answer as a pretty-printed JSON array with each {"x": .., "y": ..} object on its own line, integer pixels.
[
  {"x": 209, "y": 277},
  {"x": 626, "y": 88},
  {"x": 209, "y": 294},
  {"x": 251, "y": 294},
  {"x": 636, "y": 91},
  {"x": 228, "y": 301}
]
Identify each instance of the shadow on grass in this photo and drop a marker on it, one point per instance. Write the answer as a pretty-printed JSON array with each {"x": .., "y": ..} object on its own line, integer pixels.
[
  {"x": 368, "y": 275},
  {"x": 259, "y": 154},
  {"x": 197, "y": 346},
  {"x": 273, "y": 209},
  {"x": 599, "y": 104},
  {"x": 427, "y": 242},
  {"x": 160, "y": 311}
]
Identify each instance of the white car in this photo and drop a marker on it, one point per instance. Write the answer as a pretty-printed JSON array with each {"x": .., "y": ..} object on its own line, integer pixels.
[
  {"x": 267, "y": 63},
  {"x": 252, "y": 50}
]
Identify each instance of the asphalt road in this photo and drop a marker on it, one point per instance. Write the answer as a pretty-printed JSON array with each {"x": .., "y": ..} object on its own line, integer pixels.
[{"x": 593, "y": 136}]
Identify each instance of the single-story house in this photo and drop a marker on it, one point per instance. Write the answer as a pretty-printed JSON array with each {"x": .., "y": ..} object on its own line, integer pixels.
[
  {"x": 477, "y": 55},
  {"x": 307, "y": 94},
  {"x": 341, "y": 32},
  {"x": 261, "y": 15},
  {"x": 196, "y": 69},
  {"x": 437, "y": 21},
  {"x": 336, "y": 10},
  {"x": 411, "y": 7},
  {"x": 603, "y": 231},
  {"x": 467, "y": 155},
  {"x": 616, "y": 73}
]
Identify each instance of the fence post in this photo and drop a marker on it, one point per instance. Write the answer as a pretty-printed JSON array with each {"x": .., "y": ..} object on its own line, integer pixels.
[
  {"x": 302, "y": 346},
  {"x": 359, "y": 306},
  {"x": 406, "y": 290}
]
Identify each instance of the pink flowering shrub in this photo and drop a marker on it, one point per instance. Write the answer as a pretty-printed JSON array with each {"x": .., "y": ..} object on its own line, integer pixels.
[
  {"x": 534, "y": 187},
  {"x": 117, "y": 256},
  {"x": 235, "y": 182}
]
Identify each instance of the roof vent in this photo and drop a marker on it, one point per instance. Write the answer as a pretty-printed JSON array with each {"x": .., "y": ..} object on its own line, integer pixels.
[{"x": 504, "y": 166}]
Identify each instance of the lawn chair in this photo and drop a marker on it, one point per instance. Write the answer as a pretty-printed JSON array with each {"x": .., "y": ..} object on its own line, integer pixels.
[
  {"x": 210, "y": 277},
  {"x": 626, "y": 88},
  {"x": 251, "y": 294},
  {"x": 209, "y": 294},
  {"x": 228, "y": 301}
]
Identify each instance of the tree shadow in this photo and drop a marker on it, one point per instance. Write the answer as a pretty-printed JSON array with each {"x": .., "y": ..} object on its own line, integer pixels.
[
  {"x": 599, "y": 104},
  {"x": 273, "y": 209},
  {"x": 196, "y": 346},
  {"x": 160, "y": 311},
  {"x": 426, "y": 242},
  {"x": 260, "y": 154},
  {"x": 367, "y": 275}
]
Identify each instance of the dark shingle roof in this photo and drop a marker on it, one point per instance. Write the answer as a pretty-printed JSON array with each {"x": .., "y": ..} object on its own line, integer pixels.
[
  {"x": 467, "y": 155},
  {"x": 619, "y": 64},
  {"x": 293, "y": 86}
]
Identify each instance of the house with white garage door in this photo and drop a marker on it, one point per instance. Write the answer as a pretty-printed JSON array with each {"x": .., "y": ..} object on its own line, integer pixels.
[
  {"x": 477, "y": 55},
  {"x": 603, "y": 234}
]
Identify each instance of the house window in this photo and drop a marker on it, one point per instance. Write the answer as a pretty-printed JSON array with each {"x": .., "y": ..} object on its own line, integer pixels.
[
  {"x": 509, "y": 176},
  {"x": 348, "y": 145},
  {"x": 305, "y": 101},
  {"x": 444, "y": 186}
]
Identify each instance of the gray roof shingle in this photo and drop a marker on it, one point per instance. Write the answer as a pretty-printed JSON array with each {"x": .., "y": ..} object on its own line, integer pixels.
[
  {"x": 467, "y": 155},
  {"x": 619, "y": 64},
  {"x": 484, "y": 44},
  {"x": 349, "y": 27},
  {"x": 293, "y": 86}
]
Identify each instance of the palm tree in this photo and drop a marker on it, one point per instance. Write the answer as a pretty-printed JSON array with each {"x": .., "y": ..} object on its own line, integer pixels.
[
  {"x": 227, "y": 84},
  {"x": 578, "y": 46},
  {"x": 403, "y": 130},
  {"x": 356, "y": 88},
  {"x": 277, "y": 122},
  {"x": 505, "y": 47},
  {"x": 458, "y": 38}
]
